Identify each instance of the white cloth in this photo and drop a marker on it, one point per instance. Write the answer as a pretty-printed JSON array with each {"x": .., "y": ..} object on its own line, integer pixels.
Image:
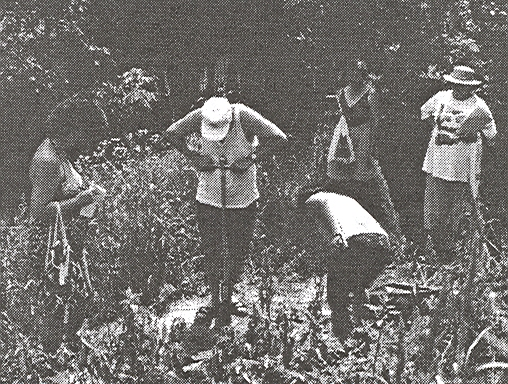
[
  {"x": 341, "y": 130},
  {"x": 460, "y": 161},
  {"x": 341, "y": 216}
]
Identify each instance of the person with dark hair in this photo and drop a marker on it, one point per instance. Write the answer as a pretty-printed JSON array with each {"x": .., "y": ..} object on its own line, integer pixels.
[
  {"x": 227, "y": 190},
  {"x": 353, "y": 204},
  {"x": 55, "y": 182},
  {"x": 352, "y": 169},
  {"x": 59, "y": 194},
  {"x": 461, "y": 122}
]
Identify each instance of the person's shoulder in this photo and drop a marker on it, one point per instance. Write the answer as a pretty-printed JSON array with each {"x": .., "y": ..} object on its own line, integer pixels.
[
  {"x": 45, "y": 159},
  {"x": 481, "y": 102},
  {"x": 443, "y": 96},
  {"x": 240, "y": 107}
]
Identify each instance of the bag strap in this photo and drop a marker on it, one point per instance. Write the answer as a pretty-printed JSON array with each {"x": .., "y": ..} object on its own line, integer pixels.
[
  {"x": 56, "y": 233},
  {"x": 64, "y": 266},
  {"x": 252, "y": 157}
]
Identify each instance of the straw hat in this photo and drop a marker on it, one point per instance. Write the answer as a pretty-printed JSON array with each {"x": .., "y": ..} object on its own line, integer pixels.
[
  {"x": 217, "y": 116},
  {"x": 462, "y": 75}
]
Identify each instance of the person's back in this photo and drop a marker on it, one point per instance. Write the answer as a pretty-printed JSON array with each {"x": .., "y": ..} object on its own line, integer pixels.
[{"x": 359, "y": 253}]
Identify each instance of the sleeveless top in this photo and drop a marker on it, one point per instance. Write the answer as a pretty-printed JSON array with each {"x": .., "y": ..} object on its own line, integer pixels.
[
  {"x": 241, "y": 189},
  {"x": 357, "y": 114},
  {"x": 358, "y": 119}
]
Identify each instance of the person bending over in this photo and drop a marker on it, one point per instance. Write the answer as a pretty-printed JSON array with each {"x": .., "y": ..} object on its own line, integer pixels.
[{"x": 226, "y": 198}]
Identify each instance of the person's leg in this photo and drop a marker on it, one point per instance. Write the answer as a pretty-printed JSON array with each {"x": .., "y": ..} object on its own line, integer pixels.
[
  {"x": 209, "y": 224},
  {"x": 440, "y": 198},
  {"x": 461, "y": 204},
  {"x": 388, "y": 216},
  {"x": 340, "y": 284},
  {"x": 338, "y": 299},
  {"x": 371, "y": 255},
  {"x": 240, "y": 229}
]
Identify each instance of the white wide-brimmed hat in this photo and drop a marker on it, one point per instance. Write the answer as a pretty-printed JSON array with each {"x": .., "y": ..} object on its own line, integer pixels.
[
  {"x": 462, "y": 75},
  {"x": 217, "y": 116}
]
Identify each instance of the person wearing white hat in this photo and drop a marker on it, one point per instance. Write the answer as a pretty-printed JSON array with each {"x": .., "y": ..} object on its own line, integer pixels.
[
  {"x": 461, "y": 121},
  {"x": 228, "y": 134}
]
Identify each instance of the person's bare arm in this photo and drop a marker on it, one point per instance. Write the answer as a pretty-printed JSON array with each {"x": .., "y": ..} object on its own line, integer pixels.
[
  {"x": 489, "y": 132},
  {"x": 46, "y": 181},
  {"x": 429, "y": 109},
  {"x": 375, "y": 116},
  {"x": 374, "y": 108},
  {"x": 254, "y": 124},
  {"x": 177, "y": 132}
]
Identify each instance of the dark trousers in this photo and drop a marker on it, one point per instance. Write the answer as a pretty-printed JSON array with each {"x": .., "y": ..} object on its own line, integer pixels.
[
  {"x": 350, "y": 272},
  {"x": 225, "y": 265}
]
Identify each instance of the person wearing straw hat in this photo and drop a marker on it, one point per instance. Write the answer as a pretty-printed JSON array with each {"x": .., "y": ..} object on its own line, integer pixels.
[
  {"x": 227, "y": 190},
  {"x": 461, "y": 121}
]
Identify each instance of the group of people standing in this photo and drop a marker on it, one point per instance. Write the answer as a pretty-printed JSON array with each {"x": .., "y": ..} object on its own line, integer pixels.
[{"x": 225, "y": 163}]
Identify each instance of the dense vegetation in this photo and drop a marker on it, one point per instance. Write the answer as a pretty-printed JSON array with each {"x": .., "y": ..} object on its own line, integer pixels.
[{"x": 135, "y": 67}]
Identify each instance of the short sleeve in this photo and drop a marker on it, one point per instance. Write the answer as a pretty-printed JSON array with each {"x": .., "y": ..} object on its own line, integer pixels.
[
  {"x": 430, "y": 107},
  {"x": 45, "y": 178},
  {"x": 489, "y": 128}
]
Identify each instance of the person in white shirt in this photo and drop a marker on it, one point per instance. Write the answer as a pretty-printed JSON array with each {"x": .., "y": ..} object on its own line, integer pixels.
[{"x": 461, "y": 121}]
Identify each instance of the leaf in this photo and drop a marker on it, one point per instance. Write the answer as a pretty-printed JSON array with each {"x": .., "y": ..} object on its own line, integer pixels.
[
  {"x": 194, "y": 367},
  {"x": 203, "y": 355},
  {"x": 61, "y": 378}
]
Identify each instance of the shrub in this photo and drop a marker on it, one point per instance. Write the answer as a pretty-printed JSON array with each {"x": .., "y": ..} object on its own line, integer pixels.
[{"x": 146, "y": 235}]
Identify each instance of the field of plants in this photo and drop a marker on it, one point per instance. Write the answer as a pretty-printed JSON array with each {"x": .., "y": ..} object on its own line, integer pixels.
[{"x": 126, "y": 68}]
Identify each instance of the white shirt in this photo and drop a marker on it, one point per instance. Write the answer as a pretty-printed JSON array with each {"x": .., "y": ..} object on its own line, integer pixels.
[
  {"x": 241, "y": 189},
  {"x": 342, "y": 216},
  {"x": 460, "y": 161}
]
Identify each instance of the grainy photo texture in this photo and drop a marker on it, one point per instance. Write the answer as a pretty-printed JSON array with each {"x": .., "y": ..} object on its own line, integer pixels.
[{"x": 253, "y": 192}]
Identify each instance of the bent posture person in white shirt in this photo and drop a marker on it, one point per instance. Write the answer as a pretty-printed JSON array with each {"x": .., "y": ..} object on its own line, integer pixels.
[{"x": 460, "y": 121}]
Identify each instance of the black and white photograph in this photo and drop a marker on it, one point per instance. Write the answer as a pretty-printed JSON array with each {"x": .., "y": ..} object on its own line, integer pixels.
[{"x": 253, "y": 192}]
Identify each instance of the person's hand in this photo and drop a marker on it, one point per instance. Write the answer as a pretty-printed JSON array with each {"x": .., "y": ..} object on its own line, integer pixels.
[
  {"x": 242, "y": 164},
  {"x": 89, "y": 195},
  {"x": 468, "y": 137},
  {"x": 203, "y": 163}
]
